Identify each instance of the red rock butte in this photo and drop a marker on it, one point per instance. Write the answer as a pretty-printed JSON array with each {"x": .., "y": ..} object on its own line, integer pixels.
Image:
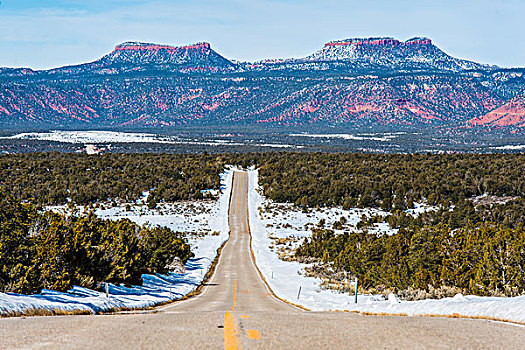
[
  {"x": 153, "y": 47},
  {"x": 380, "y": 42},
  {"x": 419, "y": 41}
]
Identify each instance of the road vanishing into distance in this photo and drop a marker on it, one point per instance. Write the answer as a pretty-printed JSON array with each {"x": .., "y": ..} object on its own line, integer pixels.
[{"x": 237, "y": 310}]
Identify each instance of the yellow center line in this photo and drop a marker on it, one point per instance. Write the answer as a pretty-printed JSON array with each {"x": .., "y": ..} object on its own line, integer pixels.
[
  {"x": 232, "y": 338},
  {"x": 253, "y": 334},
  {"x": 234, "y": 293},
  {"x": 231, "y": 332}
]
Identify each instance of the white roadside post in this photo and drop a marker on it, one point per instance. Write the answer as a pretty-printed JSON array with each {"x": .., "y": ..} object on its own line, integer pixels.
[
  {"x": 355, "y": 291},
  {"x": 107, "y": 289},
  {"x": 299, "y": 293}
]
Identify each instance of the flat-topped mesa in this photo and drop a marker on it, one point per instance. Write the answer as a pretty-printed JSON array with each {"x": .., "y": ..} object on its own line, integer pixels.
[
  {"x": 386, "y": 53},
  {"x": 419, "y": 41},
  {"x": 363, "y": 41},
  {"x": 137, "y": 46},
  {"x": 138, "y": 55},
  {"x": 378, "y": 42}
]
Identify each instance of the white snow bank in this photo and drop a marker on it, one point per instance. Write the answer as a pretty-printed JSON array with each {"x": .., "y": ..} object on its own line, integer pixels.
[
  {"x": 156, "y": 288},
  {"x": 285, "y": 278}
]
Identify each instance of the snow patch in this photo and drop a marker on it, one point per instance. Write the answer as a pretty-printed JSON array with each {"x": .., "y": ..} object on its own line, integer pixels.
[
  {"x": 156, "y": 288},
  {"x": 385, "y": 138},
  {"x": 285, "y": 279}
]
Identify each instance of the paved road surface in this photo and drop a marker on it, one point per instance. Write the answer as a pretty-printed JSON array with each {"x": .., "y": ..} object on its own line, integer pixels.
[{"x": 236, "y": 310}]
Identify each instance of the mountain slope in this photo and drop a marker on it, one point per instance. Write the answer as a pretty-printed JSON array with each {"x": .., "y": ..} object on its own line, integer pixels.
[
  {"x": 389, "y": 53},
  {"x": 511, "y": 114},
  {"x": 143, "y": 57},
  {"x": 354, "y": 82},
  {"x": 375, "y": 55},
  {"x": 265, "y": 100}
]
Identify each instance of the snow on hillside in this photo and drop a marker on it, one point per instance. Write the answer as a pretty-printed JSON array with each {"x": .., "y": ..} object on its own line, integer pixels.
[
  {"x": 287, "y": 280},
  {"x": 390, "y": 52},
  {"x": 200, "y": 218}
]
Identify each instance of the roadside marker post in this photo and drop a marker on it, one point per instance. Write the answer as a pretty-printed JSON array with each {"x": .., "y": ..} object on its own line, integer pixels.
[
  {"x": 355, "y": 291},
  {"x": 107, "y": 290},
  {"x": 299, "y": 293}
]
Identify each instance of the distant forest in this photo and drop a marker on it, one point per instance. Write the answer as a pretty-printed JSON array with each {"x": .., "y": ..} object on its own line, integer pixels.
[
  {"x": 57, "y": 178},
  {"x": 476, "y": 248},
  {"x": 465, "y": 246},
  {"x": 306, "y": 179},
  {"x": 389, "y": 181}
]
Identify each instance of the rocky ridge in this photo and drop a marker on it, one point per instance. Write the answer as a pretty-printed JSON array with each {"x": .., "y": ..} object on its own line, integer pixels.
[
  {"x": 142, "y": 57},
  {"x": 356, "y": 82},
  {"x": 512, "y": 113},
  {"x": 415, "y": 53}
]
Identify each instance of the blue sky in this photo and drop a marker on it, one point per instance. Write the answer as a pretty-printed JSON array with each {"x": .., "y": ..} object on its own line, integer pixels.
[{"x": 45, "y": 33}]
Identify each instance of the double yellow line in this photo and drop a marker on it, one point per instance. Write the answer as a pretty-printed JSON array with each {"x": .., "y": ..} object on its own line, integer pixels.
[{"x": 232, "y": 339}]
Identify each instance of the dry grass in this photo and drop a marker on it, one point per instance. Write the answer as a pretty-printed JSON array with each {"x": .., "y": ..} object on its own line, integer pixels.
[
  {"x": 332, "y": 279},
  {"x": 366, "y": 313},
  {"x": 44, "y": 312},
  {"x": 454, "y": 315}
]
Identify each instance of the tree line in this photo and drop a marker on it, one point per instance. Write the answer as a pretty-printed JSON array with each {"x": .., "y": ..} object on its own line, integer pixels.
[
  {"x": 42, "y": 249},
  {"x": 475, "y": 248},
  {"x": 478, "y": 249},
  {"x": 57, "y": 178},
  {"x": 389, "y": 181},
  {"x": 482, "y": 259}
]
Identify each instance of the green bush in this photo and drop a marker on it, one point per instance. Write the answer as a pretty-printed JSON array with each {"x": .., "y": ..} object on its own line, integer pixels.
[
  {"x": 53, "y": 251},
  {"x": 483, "y": 259}
]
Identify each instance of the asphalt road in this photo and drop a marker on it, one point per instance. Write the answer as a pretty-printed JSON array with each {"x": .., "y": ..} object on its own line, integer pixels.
[{"x": 236, "y": 310}]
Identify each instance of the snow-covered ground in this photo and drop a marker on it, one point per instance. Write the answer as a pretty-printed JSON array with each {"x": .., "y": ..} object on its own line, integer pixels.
[
  {"x": 510, "y": 147},
  {"x": 284, "y": 220},
  {"x": 99, "y": 137},
  {"x": 209, "y": 223},
  {"x": 287, "y": 277},
  {"x": 108, "y": 137},
  {"x": 373, "y": 137}
]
